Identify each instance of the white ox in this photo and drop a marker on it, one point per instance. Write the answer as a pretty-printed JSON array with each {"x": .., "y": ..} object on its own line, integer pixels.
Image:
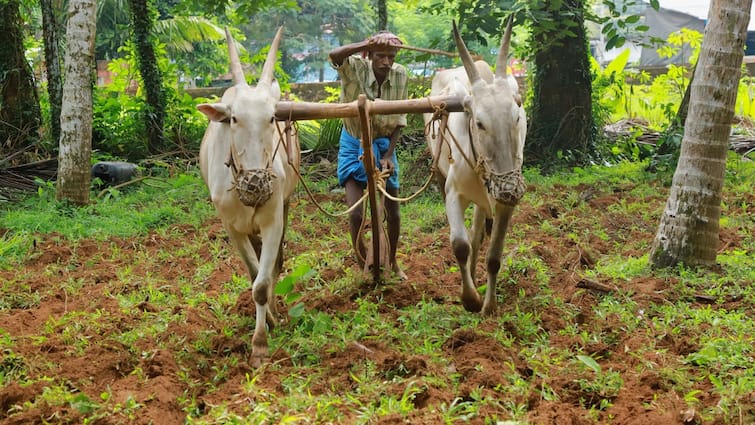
[
  {"x": 251, "y": 172},
  {"x": 479, "y": 161}
]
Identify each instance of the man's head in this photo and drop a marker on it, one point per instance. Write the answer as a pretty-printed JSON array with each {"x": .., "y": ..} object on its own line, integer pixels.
[{"x": 382, "y": 51}]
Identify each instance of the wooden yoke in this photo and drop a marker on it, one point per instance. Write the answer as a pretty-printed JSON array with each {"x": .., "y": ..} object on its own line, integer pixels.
[{"x": 287, "y": 110}]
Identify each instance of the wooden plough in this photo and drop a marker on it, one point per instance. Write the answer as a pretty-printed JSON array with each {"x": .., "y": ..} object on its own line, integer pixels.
[{"x": 363, "y": 108}]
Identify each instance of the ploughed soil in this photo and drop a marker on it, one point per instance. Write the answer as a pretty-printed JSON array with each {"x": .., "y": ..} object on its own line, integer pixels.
[{"x": 645, "y": 398}]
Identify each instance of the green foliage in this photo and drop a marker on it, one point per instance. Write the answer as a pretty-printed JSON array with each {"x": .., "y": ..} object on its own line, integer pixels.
[
  {"x": 119, "y": 128},
  {"x": 150, "y": 206},
  {"x": 320, "y": 135},
  {"x": 285, "y": 288}
]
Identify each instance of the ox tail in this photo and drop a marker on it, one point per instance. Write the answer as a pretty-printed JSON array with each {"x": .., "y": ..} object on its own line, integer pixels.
[
  {"x": 502, "y": 62},
  {"x": 236, "y": 71},
  {"x": 466, "y": 58},
  {"x": 266, "y": 78}
]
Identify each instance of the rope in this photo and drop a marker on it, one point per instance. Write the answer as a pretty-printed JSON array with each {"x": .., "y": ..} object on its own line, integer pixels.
[
  {"x": 301, "y": 178},
  {"x": 319, "y": 207}
]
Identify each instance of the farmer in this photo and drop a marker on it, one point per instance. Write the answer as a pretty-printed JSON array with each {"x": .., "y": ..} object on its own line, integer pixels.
[{"x": 375, "y": 74}]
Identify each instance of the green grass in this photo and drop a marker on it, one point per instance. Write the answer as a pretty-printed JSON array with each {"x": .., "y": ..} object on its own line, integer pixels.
[{"x": 550, "y": 341}]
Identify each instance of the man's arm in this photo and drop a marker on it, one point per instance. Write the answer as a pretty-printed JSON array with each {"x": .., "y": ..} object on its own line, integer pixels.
[
  {"x": 339, "y": 54},
  {"x": 386, "y": 162}
]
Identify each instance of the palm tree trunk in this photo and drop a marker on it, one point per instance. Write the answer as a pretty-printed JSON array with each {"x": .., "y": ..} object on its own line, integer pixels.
[
  {"x": 688, "y": 230},
  {"x": 74, "y": 166}
]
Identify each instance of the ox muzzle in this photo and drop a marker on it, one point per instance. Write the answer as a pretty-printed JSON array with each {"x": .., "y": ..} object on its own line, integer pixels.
[
  {"x": 506, "y": 188},
  {"x": 254, "y": 187}
]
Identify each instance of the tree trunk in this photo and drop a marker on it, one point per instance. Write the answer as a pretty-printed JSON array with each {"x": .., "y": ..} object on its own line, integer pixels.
[
  {"x": 51, "y": 34},
  {"x": 75, "y": 153},
  {"x": 688, "y": 230},
  {"x": 382, "y": 12},
  {"x": 561, "y": 123},
  {"x": 141, "y": 20},
  {"x": 20, "y": 115}
]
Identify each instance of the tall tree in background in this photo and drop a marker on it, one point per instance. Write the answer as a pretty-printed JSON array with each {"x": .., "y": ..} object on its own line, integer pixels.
[
  {"x": 51, "y": 34},
  {"x": 561, "y": 125},
  {"x": 20, "y": 115},
  {"x": 75, "y": 150},
  {"x": 688, "y": 230},
  {"x": 142, "y": 25},
  {"x": 382, "y": 15},
  {"x": 560, "y": 115}
]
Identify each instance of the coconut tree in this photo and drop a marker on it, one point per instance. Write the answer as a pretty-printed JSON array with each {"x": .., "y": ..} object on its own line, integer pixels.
[
  {"x": 688, "y": 230},
  {"x": 75, "y": 149}
]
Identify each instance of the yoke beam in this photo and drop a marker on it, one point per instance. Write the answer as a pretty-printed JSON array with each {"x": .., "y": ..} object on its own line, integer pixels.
[{"x": 294, "y": 111}]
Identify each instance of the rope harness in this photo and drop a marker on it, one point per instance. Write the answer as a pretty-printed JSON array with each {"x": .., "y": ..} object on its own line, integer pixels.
[
  {"x": 507, "y": 187},
  {"x": 254, "y": 187}
]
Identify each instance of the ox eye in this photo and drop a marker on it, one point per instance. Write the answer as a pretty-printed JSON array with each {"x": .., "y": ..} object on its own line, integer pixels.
[
  {"x": 233, "y": 119},
  {"x": 272, "y": 119},
  {"x": 480, "y": 126}
]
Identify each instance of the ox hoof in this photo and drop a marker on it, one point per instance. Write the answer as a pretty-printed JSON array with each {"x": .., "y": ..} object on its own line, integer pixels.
[
  {"x": 471, "y": 304},
  {"x": 399, "y": 273},
  {"x": 488, "y": 310},
  {"x": 258, "y": 357}
]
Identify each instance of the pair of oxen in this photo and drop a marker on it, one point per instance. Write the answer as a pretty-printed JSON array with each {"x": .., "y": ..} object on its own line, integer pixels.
[{"x": 251, "y": 169}]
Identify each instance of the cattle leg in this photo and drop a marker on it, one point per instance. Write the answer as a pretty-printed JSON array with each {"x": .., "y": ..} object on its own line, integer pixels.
[
  {"x": 244, "y": 246},
  {"x": 440, "y": 180},
  {"x": 272, "y": 312},
  {"x": 493, "y": 258},
  {"x": 477, "y": 234},
  {"x": 461, "y": 247},
  {"x": 262, "y": 288}
]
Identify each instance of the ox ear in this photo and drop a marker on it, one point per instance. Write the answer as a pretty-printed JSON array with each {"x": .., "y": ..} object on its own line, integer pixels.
[{"x": 217, "y": 112}]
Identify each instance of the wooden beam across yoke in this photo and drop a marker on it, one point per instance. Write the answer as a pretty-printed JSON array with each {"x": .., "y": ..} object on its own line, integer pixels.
[{"x": 295, "y": 111}]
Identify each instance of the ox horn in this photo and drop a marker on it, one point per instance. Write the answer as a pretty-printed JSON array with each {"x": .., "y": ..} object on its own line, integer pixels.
[
  {"x": 466, "y": 58},
  {"x": 266, "y": 77},
  {"x": 233, "y": 54},
  {"x": 502, "y": 62}
]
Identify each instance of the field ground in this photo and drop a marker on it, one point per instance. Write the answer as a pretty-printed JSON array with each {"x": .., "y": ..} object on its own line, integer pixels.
[{"x": 155, "y": 328}]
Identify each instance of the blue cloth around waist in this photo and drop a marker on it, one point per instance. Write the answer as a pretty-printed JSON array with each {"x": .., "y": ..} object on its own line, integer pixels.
[{"x": 350, "y": 159}]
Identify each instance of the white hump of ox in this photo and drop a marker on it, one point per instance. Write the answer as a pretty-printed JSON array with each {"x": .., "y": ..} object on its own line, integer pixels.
[
  {"x": 478, "y": 157},
  {"x": 250, "y": 171}
]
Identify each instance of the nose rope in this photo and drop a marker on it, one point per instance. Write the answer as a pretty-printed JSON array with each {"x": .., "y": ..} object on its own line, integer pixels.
[{"x": 254, "y": 187}]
